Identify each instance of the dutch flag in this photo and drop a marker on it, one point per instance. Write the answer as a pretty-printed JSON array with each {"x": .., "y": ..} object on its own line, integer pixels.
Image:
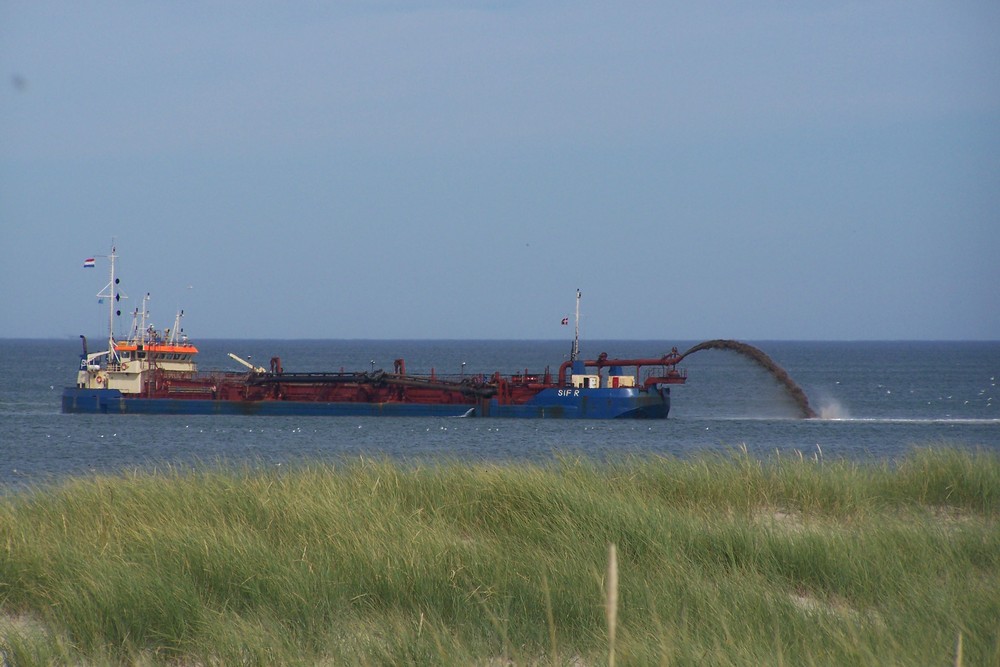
[{"x": 89, "y": 263}]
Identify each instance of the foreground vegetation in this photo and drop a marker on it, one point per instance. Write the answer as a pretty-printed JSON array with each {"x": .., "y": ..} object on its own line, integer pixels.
[{"x": 717, "y": 561}]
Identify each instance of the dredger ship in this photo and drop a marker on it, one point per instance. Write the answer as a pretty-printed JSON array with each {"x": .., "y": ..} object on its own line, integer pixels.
[{"x": 153, "y": 372}]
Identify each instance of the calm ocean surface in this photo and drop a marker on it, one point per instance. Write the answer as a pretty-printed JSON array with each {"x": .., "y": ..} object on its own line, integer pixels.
[{"x": 876, "y": 400}]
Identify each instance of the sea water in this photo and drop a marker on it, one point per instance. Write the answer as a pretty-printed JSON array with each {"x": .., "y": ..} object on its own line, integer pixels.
[{"x": 876, "y": 401}]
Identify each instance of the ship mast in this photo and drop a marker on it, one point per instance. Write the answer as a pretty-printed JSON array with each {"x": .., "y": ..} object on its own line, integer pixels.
[
  {"x": 109, "y": 293},
  {"x": 576, "y": 337}
]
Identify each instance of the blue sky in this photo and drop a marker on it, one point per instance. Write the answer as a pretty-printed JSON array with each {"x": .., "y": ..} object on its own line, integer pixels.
[{"x": 760, "y": 171}]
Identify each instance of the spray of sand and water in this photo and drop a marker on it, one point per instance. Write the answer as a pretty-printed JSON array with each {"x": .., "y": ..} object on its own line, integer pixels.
[{"x": 760, "y": 358}]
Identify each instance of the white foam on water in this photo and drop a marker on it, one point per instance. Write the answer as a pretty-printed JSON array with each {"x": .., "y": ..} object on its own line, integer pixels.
[{"x": 833, "y": 409}]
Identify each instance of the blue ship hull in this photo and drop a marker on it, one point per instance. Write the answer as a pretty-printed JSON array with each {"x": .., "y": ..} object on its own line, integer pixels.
[{"x": 617, "y": 403}]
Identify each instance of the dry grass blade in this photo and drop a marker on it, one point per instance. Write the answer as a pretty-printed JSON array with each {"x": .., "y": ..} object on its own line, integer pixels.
[{"x": 612, "y": 602}]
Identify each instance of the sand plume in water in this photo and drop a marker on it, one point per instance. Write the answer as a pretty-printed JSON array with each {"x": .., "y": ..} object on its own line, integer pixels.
[{"x": 757, "y": 355}]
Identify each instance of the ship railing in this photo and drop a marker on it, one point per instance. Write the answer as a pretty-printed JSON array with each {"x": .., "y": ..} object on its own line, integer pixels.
[
  {"x": 181, "y": 389},
  {"x": 677, "y": 375},
  {"x": 482, "y": 379},
  {"x": 458, "y": 378}
]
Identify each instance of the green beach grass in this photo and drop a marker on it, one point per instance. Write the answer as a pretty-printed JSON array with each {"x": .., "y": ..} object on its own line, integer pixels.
[{"x": 716, "y": 560}]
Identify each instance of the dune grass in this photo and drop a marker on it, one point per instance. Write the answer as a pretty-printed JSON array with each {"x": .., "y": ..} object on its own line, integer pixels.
[{"x": 717, "y": 561}]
